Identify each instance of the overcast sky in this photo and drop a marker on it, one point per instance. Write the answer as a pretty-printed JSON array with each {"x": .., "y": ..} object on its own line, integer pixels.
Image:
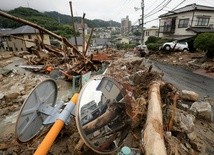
[{"x": 104, "y": 9}]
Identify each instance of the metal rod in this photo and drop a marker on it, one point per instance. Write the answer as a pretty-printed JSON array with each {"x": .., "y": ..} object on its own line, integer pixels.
[{"x": 53, "y": 133}]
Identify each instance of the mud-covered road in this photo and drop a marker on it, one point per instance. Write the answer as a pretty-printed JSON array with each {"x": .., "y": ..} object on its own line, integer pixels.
[{"x": 185, "y": 79}]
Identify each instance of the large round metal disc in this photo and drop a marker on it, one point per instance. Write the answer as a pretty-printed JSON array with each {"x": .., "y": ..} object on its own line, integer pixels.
[{"x": 30, "y": 120}]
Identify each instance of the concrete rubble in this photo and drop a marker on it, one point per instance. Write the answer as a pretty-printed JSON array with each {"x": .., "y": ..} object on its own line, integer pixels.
[
  {"x": 189, "y": 95},
  {"x": 203, "y": 110}
]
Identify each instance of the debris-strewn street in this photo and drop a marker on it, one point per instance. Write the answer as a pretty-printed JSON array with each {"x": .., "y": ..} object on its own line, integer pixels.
[{"x": 187, "y": 118}]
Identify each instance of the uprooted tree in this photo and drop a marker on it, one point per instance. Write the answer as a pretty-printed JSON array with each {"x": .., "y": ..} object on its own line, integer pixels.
[{"x": 205, "y": 42}]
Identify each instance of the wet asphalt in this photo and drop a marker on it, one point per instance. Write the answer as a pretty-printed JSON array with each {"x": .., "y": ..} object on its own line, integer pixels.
[{"x": 185, "y": 79}]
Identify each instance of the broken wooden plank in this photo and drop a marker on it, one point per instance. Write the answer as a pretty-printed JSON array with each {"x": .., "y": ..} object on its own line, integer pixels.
[
  {"x": 83, "y": 34},
  {"x": 72, "y": 18}
]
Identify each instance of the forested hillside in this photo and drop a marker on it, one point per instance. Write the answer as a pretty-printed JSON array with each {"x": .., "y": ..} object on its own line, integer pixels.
[
  {"x": 66, "y": 19},
  {"x": 53, "y": 21}
]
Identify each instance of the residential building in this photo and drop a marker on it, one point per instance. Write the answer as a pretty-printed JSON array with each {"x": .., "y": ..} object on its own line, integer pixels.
[
  {"x": 153, "y": 31},
  {"x": 22, "y": 38},
  {"x": 102, "y": 32},
  {"x": 125, "y": 25},
  {"x": 3, "y": 43},
  {"x": 186, "y": 22},
  {"x": 79, "y": 43},
  {"x": 78, "y": 28},
  {"x": 110, "y": 90},
  {"x": 100, "y": 42},
  {"x": 122, "y": 40}
]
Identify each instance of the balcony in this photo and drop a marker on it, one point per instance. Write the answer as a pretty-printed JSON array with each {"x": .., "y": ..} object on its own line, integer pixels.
[{"x": 170, "y": 29}]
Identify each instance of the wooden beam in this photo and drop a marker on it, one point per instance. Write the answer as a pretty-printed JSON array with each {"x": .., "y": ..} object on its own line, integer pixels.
[
  {"x": 72, "y": 20},
  {"x": 83, "y": 34},
  {"x": 153, "y": 139}
]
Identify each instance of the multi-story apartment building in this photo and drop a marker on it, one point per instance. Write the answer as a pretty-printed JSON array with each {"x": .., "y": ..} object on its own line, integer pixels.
[{"x": 125, "y": 25}]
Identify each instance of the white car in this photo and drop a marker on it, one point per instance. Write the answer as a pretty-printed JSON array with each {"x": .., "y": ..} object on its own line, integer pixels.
[{"x": 181, "y": 46}]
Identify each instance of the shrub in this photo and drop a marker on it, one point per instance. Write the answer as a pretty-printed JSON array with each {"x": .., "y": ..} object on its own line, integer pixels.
[
  {"x": 153, "y": 46},
  {"x": 205, "y": 42},
  {"x": 124, "y": 46},
  {"x": 152, "y": 39}
]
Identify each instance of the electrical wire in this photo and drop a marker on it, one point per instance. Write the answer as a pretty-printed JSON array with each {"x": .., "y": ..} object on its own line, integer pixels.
[
  {"x": 155, "y": 8},
  {"x": 159, "y": 9},
  {"x": 119, "y": 11},
  {"x": 178, "y": 5}
]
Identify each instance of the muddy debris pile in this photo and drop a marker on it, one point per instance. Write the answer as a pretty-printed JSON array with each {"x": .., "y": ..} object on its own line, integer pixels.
[
  {"x": 191, "y": 61},
  {"x": 164, "y": 120},
  {"x": 14, "y": 89},
  {"x": 182, "y": 110},
  {"x": 179, "y": 121}
]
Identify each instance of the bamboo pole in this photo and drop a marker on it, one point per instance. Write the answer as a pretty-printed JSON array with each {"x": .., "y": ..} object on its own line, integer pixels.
[{"x": 153, "y": 133}]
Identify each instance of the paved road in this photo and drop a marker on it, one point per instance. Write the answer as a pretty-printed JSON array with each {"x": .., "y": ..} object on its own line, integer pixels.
[{"x": 184, "y": 79}]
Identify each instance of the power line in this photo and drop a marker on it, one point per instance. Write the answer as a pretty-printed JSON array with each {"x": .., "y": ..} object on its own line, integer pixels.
[
  {"x": 119, "y": 11},
  {"x": 151, "y": 20},
  {"x": 156, "y": 7},
  {"x": 159, "y": 9},
  {"x": 178, "y": 5},
  {"x": 149, "y": 6}
]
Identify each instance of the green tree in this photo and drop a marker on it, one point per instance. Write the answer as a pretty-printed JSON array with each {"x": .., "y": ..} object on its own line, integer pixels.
[
  {"x": 137, "y": 33},
  {"x": 205, "y": 42},
  {"x": 152, "y": 39}
]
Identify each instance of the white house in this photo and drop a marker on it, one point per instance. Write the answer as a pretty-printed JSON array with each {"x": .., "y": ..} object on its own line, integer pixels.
[
  {"x": 186, "y": 22},
  {"x": 153, "y": 31}
]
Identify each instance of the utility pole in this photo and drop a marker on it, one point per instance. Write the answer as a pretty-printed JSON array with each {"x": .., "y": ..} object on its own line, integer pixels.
[{"x": 142, "y": 19}]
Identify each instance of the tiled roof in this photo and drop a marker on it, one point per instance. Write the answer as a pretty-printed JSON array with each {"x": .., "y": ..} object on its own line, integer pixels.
[
  {"x": 100, "y": 41},
  {"x": 5, "y": 31},
  {"x": 79, "y": 41},
  {"x": 200, "y": 29},
  {"x": 23, "y": 30},
  {"x": 188, "y": 8}
]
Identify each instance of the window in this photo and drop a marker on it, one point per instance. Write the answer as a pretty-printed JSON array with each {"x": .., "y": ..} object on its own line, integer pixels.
[
  {"x": 108, "y": 86},
  {"x": 183, "y": 23},
  {"x": 29, "y": 37},
  {"x": 147, "y": 33},
  {"x": 156, "y": 33},
  {"x": 202, "y": 21}
]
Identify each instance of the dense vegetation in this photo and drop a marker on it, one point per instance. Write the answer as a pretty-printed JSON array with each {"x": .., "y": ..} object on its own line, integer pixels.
[
  {"x": 53, "y": 21},
  {"x": 66, "y": 19},
  {"x": 205, "y": 42},
  {"x": 153, "y": 43}
]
